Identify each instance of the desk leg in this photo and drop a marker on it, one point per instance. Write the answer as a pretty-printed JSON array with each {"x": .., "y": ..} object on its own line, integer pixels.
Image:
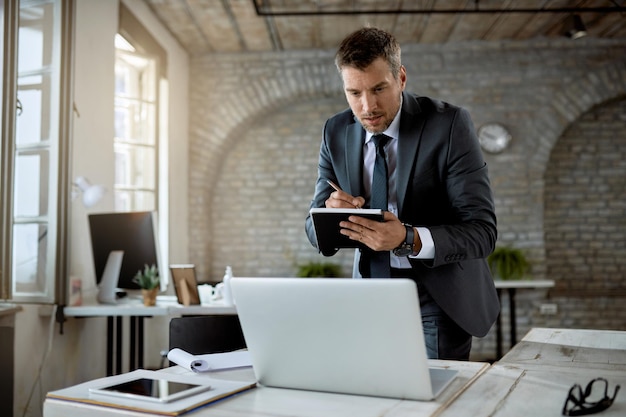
[
  {"x": 110, "y": 326},
  {"x": 499, "y": 328},
  {"x": 512, "y": 316},
  {"x": 140, "y": 342},
  {"x": 136, "y": 342},
  {"x": 118, "y": 345},
  {"x": 132, "y": 357}
]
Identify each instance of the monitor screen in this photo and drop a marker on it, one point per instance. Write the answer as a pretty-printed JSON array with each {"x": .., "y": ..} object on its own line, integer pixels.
[{"x": 135, "y": 233}]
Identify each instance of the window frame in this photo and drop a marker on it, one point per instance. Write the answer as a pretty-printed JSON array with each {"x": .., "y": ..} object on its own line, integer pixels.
[{"x": 59, "y": 184}]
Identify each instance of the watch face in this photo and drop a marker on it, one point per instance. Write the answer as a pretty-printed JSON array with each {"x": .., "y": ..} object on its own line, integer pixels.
[
  {"x": 493, "y": 137},
  {"x": 404, "y": 250}
]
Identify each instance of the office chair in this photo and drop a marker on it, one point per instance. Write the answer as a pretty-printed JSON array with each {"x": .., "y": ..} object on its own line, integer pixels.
[{"x": 206, "y": 334}]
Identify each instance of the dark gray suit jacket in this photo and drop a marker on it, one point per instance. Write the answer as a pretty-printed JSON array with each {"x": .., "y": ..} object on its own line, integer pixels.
[{"x": 443, "y": 184}]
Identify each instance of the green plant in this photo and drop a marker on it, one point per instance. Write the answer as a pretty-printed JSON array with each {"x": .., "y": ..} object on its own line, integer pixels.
[
  {"x": 319, "y": 269},
  {"x": 148, "y": 279},
  {"x": 508, "y": 263}
]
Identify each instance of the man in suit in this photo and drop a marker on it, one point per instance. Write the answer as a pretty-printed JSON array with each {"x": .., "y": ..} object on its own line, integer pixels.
[{"x": 439, "y": 224}]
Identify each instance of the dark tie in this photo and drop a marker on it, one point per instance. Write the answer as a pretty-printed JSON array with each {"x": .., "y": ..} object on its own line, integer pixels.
[{"x": 378, "y": 261}]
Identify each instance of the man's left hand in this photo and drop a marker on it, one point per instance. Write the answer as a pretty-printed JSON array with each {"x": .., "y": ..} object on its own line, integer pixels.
[{"x": 379, "y": 236}]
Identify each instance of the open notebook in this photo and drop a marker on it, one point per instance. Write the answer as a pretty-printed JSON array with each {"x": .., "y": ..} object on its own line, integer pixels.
[{"x": 338, "y": 335}]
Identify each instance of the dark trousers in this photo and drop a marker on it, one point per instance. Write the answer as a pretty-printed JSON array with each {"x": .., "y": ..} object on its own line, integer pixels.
[{"x": 444, "y": 338}]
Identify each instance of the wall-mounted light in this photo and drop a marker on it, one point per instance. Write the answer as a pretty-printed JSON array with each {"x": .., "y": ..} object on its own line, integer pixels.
[
  {"x": 574, "y": 27},
  {"x": 92, "y": 194}
]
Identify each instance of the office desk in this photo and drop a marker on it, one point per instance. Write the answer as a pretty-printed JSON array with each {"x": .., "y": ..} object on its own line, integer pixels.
[
  {"x": 571, "y": 348},
  {"x": 511, "y": 287},
  {"x": 534, "y": 378},
  {"x": 276, "y": 402},
  {"x": 136, "y": 312}
]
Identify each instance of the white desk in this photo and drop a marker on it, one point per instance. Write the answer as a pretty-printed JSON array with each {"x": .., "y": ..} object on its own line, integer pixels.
[
  {"x": 275, "y": 402},
  {"x": 531, "y": 380},
  {"x": 136, "y": 311},
  {"x": 511, "y": 286}
]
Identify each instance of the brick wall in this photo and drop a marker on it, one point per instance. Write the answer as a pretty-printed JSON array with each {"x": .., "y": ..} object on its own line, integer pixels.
[{"x": 256, "y": 123}]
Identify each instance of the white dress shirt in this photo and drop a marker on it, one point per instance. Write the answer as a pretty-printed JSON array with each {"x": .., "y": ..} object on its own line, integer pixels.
[{"x": 391, "y": 153}]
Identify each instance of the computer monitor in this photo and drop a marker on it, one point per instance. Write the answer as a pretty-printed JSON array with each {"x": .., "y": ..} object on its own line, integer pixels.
[{"x": 133, "y": 233}]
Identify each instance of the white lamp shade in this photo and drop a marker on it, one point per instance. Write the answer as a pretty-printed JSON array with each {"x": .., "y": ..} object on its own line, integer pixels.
[{"x": 91, "y": 193}]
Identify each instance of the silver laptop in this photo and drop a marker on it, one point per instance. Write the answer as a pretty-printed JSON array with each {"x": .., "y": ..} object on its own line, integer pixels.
[{"x": 351, "y": 336}]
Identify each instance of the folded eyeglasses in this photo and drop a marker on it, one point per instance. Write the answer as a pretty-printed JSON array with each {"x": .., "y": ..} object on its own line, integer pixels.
[{"x": 591, "y": 400}]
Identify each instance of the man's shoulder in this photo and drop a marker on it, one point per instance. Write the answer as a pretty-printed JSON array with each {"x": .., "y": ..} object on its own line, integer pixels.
[
  {"x": 342, "y": 118},
  {"x": 428, "y": 104}
]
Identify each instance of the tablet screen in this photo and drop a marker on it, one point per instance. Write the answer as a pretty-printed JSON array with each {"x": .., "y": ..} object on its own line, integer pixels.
[{"x": 160, "y": 390}]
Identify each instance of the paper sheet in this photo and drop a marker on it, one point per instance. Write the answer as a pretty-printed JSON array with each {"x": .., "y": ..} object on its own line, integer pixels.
[{"x": 211, "y": 361}]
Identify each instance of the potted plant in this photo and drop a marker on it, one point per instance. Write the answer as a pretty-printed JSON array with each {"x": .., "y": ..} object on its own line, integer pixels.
[
  {"x": 508, "y": 263},
  {"x": 148, "y": 280},
  {"x": 319, "y": 269}
]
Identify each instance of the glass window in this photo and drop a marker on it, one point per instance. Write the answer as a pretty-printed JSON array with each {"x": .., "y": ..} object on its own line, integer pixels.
[
  {"x": 37, "y": 36},
  {"x": 135, "y": 128}
]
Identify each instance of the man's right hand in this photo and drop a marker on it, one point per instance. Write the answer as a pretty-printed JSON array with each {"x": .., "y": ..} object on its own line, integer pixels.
[{"x": 341, "y": 199}]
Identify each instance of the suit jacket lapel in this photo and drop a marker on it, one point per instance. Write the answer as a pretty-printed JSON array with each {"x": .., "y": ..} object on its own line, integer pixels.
[
  {"x": 411, "y": 125},
  {"x": 354, "y": 158}
]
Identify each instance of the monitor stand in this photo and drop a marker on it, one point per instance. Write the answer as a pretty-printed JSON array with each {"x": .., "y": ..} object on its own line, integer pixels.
[{"x": 110, "y": 276}]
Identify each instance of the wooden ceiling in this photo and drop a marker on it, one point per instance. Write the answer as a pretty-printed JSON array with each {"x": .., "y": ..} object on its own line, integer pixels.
[{"x": 210, "y": 26}]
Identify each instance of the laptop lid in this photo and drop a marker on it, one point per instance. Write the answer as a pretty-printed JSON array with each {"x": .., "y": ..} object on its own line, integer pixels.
[{"x": 337, "y": 335}]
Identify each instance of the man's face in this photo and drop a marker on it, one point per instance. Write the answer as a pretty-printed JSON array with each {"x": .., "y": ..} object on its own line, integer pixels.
[{"x": 373, "y": 94}]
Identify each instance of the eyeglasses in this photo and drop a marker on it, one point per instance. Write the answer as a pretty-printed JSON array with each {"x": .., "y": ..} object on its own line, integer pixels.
[{"x": 589, "y": 401}]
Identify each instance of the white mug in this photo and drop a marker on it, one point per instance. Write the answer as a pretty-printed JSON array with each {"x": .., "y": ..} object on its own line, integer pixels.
[{"x": 206, "y": 293}]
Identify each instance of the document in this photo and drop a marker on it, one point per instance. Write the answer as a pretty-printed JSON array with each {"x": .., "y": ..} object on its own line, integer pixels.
[
  {"x": 210, "y": 362},
  {"x": 326, "y": 225}
]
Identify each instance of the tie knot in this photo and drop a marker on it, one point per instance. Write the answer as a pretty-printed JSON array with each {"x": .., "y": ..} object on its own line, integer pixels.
[{"x": 380, "y": 140}]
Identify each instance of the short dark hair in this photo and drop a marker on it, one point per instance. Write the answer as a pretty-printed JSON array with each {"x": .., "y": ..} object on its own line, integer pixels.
[{"x": 361, "y": 48}]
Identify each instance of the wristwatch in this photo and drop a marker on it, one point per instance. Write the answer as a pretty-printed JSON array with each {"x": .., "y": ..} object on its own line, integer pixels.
[{"x": 406, "y": 247}]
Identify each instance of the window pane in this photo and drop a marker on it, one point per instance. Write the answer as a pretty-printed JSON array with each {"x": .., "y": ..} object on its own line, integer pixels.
[
  {"x": 134, "y": 121},
  {"x": 135, "y": 166},
  {"x": 33, "y": 122},
  {"x": 30, "y": 242},
  {"x": 126, "y": 200},
  {"x": 135, "y": 76},
  {"x": 31, "y": 184},
  {"x": 36, "y": 31}
]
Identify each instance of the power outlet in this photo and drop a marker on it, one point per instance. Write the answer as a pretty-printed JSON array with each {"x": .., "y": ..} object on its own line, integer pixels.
[{"x": 548, "y": 309}]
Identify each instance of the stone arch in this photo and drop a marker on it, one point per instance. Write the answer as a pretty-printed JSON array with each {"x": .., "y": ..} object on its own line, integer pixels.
[
  {"x": 574, "y": 100},
  {"x": 216, "y": 133},
  {"x": 563, "y": 108}
]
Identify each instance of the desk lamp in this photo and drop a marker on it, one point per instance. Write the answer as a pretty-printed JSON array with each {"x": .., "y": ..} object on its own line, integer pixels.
[{"x": 92, "y": 194}]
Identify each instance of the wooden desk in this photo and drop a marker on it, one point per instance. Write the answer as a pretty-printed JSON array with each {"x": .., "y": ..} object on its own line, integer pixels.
[
  {"x": 571, "y": 348},
  {"x": 134, "y": 309},
  {"x": 511, "y": 287},
  {"x": 533, "y": 379},
  {"x": 514, "y": 390},
  {"x": 275, "y": 402}
]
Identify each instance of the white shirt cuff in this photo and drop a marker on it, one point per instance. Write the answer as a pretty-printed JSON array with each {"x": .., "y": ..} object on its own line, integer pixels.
[{"x": 428, "y": 246}]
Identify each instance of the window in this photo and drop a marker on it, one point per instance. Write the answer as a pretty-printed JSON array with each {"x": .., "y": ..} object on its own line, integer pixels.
[
  {"x": 34, "y": 149},
  {"x": 140, "y": 143},
  {"x": 135, "y": 129}
]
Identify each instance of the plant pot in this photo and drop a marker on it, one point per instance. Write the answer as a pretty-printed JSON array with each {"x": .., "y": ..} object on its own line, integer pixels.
[{"x": 149, "y": 296}]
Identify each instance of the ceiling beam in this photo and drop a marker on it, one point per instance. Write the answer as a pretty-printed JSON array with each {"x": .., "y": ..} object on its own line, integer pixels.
[{"x": 265, "y": 9}]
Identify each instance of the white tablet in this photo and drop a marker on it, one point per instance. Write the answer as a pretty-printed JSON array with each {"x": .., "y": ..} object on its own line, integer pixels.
[{"x": 151, "y": 389}]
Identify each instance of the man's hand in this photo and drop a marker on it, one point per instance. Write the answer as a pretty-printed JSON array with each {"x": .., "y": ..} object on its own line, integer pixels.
[
  {"x": 379, "y": 236},
  {"x": 341, "y": 199}
]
